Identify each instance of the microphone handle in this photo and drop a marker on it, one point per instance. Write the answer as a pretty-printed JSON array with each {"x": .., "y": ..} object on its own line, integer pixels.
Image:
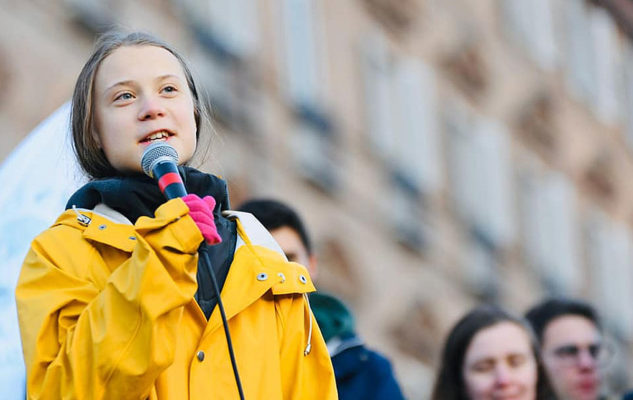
[{"x": 169, "y": 180}]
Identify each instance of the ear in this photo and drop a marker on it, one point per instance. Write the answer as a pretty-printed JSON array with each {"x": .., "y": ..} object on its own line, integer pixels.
[
  {"x": 94, "y": 134},
  {"x": 96, "y": 138},
  {"x": 312, "y": 267}
]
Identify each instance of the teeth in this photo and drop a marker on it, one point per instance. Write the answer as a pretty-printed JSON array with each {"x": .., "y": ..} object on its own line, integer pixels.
[{"x": 158, "y": 135}]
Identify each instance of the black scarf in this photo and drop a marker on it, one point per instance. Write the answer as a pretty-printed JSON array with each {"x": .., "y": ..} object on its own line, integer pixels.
[{"x": 138, "y": 195}]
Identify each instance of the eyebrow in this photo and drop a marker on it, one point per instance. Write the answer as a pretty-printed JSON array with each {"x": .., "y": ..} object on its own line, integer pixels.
[{"x": 129, "y": 81}]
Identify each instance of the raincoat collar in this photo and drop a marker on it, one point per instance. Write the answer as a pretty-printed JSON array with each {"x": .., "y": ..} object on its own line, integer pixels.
[
  {"x": 138, "y": 195},
  {"x": 257, "y": 269}
]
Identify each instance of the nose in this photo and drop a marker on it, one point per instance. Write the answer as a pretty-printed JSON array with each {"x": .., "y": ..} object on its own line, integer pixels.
[
  {"x": 586, "y": 360},
  {"x": 502, "y": 376},
  {"x": 151, "y": 108}
]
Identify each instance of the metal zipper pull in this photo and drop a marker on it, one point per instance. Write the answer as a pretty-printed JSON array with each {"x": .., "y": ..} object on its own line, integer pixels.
[{"x": 83, "y": 220}]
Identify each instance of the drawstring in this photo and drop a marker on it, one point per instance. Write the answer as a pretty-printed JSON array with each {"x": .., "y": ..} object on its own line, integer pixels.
[
  {"x": 82, "y": 219},
  {"x": 309, "y": 345}
]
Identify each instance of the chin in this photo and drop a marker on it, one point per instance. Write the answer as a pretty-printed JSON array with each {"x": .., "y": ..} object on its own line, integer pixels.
[
  {"x": 184, "y": 154},
  {"x": 587, "y": 395},
  {"x": 518, "y": 394}
]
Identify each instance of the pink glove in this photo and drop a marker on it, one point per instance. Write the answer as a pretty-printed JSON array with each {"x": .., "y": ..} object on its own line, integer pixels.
[{"x": 201, "y": 211}]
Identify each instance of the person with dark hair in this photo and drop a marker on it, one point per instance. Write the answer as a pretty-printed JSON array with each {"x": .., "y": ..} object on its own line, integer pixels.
[
  {"x": 361, "y": 373},
  {"x": 287, "y": 228},
  {"x": 490, "y": 354},
  {"x": 571, "y": 345},
  {"x": 118, "y": 299}
]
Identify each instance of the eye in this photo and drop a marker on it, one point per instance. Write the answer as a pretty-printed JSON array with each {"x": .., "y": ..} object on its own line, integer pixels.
[
  {"x": 169, "y": 89},
  {"x": 516, "y": 360},
  {"x": 483, "y": 366},
  {"x": 567, "y": 351},
  {"x": 595, "y": 350},
  {"x": 124, "y": 96}
]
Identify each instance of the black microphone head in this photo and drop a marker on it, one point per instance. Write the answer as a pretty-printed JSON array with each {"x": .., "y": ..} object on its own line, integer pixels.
[{"x": 155, "y": 153}]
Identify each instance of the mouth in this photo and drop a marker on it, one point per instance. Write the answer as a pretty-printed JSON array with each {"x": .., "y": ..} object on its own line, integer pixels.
[
  {"x": 157, "y": 136},
  {"x": 588, "y": 385},
  {"x": 510, "y": 393}
]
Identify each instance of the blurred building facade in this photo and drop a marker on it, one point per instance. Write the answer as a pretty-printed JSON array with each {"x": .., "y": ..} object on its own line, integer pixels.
[{"x": 443, "y": 153}]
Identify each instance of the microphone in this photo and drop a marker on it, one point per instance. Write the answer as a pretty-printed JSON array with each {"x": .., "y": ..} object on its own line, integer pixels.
[{"x": 160, "y": 161}]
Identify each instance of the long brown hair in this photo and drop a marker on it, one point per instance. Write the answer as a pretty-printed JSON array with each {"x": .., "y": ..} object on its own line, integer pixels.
[{"x": 91, "y": 157}]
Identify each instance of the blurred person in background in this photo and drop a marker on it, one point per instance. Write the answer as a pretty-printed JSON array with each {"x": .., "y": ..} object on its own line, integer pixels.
[
  {"x": 572, "y": 347},
  {"x": 360, "y": 373},
  {"x": 491, "y": 354}
]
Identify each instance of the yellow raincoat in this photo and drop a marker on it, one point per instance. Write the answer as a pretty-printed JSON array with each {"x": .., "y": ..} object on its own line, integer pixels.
[{"x": 106, "y": 311}]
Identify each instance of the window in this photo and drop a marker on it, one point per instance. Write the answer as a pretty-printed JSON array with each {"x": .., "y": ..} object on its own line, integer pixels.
[
  {"x": 227, "y": 31},
  {"x": 236, "y": 23},
  {"x": 610, "y": 254},
  {"x": 416, "y": 152},
  {"x": 493, "y": 206},
  {"x": 628, "y": 92},
  {"x": 400, "y": 97},
  {"x": 593, "y": 59},
  {"x": 463, "y": 176},
  {"x": 377, "y": 74},
  {"x": 401, "y": 116},
  {"x": 481, "y": 175},
  {"x": 92, "y": 15},
  {"x": 548, "y": 209},
  {"x": 303, "y": 77},
  {"x": 231, "y": 93},
  {"x": 217, "y": 80},
  {"x": 230, "y": 27},
  {"x": 408, "y": 217},
  {"x": 579, "y": 50},
  {"x": 304, "y": 83},
  {"x": 531, "y": 24},
  {"x": 608, "y": 69},
  {"x": 314, "y": 153},
  {"x": 481, "y": 270}
]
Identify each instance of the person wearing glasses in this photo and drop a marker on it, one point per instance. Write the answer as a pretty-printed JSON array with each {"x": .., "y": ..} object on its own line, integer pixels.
[{"x": 572, "y": 347}]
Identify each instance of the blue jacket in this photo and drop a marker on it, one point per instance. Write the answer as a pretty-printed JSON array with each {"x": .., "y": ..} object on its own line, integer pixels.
[{"x": 360, "y": 373}]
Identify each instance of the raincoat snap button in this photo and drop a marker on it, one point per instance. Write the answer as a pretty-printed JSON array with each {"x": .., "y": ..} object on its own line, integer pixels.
[
  {"x": 262, "y": 276},
  {"x": 132, "y": 238},
  {"x": 200, "y": 355},
  {"x": 102, "y": 227},
  {"x": 303, "y": 279},
  {"x": 282, "y": 276}
]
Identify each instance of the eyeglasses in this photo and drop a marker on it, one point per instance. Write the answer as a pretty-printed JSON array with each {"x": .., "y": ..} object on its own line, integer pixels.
[{"x": 570, "y": 353}]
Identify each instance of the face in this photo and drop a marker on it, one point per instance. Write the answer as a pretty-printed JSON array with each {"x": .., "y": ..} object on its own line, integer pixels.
[
  {"x": 140, "y": 96},
  {"x": 572, "y": 348},
  {"x": 291, "y": 244},
  {"x": 499, "y": 364}
]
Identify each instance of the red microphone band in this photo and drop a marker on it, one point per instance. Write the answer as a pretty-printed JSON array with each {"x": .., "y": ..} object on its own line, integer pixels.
[{"x": 168, "y": 179}]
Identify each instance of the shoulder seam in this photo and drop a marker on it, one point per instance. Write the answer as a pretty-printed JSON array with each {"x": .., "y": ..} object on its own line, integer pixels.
[{"x": 255, "y": 231}]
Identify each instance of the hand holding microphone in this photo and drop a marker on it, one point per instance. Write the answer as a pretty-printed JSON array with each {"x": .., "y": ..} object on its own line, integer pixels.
[
  {"x": 201, "y": 210},
  {"x": 160, "y": 161}
]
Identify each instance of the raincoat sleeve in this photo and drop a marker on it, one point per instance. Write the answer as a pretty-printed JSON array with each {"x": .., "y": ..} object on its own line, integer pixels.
[
  {"x": 305, "y": 362},
  {"x": 85, "y": 339}
]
